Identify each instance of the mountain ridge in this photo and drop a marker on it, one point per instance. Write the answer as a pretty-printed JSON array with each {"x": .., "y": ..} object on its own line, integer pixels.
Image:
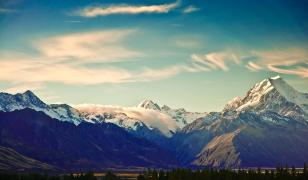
[
  {"x": 240, "y": 135},
  {"x": 83, "y": 147}
]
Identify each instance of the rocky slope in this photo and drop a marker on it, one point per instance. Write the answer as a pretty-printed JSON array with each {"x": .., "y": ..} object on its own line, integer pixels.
[{"x": 10, "y": 160}]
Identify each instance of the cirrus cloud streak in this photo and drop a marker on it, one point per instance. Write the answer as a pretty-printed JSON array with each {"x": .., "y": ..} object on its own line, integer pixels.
[
  {"x": 293, "y": 61},
  {"x": 65, "y": 59},
  {"x": 216, "y": 60},
  {"x": 93, "y": 11},
  {"x": 92, "y": 46}
]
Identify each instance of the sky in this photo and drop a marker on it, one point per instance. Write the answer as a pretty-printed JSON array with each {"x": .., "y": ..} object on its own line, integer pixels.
[{"x": 195, "y": 54}]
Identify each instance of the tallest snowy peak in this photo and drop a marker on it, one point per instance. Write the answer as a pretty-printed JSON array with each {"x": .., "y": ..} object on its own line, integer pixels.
[
  {"x": 275, "y": 77},
  {"x": 270, "y": 94}
]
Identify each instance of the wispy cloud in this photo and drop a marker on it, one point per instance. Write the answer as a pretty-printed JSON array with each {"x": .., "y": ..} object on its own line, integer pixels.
[
  {"x": 166, "y": 72},
  {"x": 292, "y": 61},
  {"x": 64, "y": 58},
  {"x": 287, "y": 56},
  {"x": 102, "y": 46},
  {"x": 93, "y": 11},
  {"x": 41, "y": 71},
  {"x": 253, "y": 66},
  {"x": 303, "y": 72},
  {"x": 61, "y": 59},
  {"x": 191, "y": 9},
  {"x": 216, "y": 60}
]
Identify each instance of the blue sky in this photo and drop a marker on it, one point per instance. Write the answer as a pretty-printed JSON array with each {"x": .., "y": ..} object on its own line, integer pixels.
[{"x": 195, "y": 54}]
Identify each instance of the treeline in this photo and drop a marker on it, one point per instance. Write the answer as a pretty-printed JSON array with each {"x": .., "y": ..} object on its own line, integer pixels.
[
  {"x": 281, "y": 173},
  {"x": 39, "y": 176}
]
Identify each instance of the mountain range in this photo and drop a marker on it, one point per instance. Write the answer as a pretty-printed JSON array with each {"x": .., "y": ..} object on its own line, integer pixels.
[{"x": 265, "y": 127}]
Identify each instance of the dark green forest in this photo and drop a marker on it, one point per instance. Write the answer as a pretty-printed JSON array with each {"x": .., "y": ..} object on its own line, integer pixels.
[{"x": 280, "y": 173}]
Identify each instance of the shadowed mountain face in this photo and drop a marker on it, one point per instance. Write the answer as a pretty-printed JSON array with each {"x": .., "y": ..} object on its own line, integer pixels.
[
  {"x": 246, "y": 140},
  {"x": 271, "y": 145},
  {"x": 83, "y": 147}
]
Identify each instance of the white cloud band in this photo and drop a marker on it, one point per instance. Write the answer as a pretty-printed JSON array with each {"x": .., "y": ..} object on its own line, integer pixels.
[{"x": 94, "y": 11}]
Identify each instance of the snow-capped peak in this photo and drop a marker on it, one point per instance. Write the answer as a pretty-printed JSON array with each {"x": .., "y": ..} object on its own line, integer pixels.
[
  {"x": 148, "y": 104},
  {"x": 164, "y": 119},
  {"x": 269, "y": 94},
  {"x": 275, "y": 78},
  {"x": 11, "y": 102}
]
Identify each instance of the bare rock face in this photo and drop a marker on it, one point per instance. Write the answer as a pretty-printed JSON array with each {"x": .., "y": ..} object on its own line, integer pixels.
[{"x": 220, "y": 152}]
